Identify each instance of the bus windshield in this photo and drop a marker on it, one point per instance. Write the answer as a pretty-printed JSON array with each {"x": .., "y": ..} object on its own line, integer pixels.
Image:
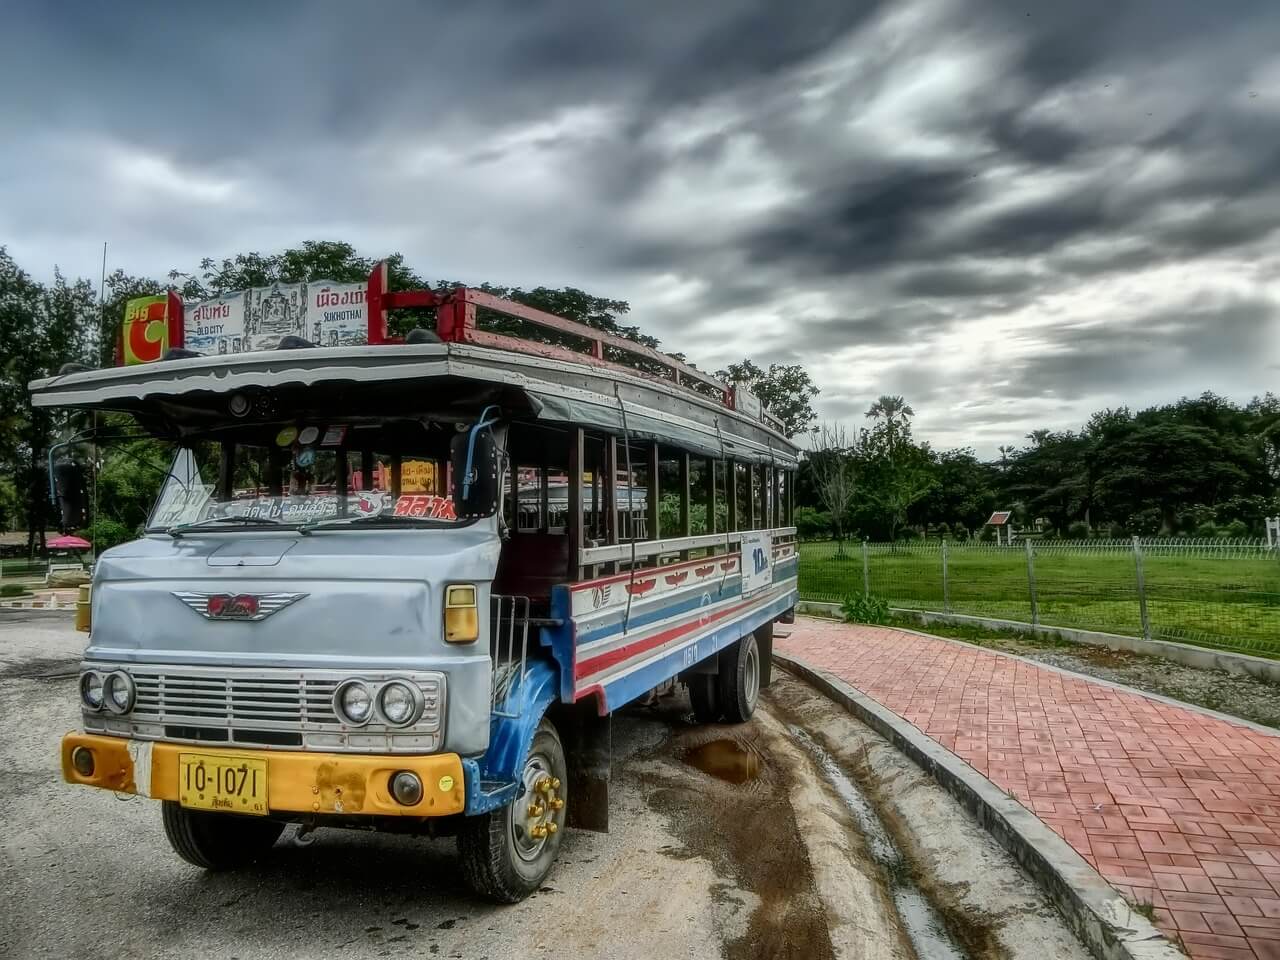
[{"x": 308, "y": 476}]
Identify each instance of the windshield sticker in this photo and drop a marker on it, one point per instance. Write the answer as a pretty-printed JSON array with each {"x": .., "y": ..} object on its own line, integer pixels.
[
  {"x": 308, "y": 436},
  {"x": 425, "y": 505},
  {"x": 333, "y": 436},
  {"x": 286, "y": 436}
]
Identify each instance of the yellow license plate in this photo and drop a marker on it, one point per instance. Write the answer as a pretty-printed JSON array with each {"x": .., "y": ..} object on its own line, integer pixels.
[{"x": 228, "y": 784}]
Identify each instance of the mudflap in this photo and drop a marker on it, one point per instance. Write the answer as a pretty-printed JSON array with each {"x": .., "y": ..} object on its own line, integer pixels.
[
  {"x": 764, "y": 644},
  {"x": 588, "y": 747}
]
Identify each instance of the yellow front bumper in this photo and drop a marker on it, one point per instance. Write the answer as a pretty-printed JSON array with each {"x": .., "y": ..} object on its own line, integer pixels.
[{"x": 297, "y": 782}]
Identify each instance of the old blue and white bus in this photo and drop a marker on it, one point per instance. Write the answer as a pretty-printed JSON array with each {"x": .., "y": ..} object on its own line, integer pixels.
[{"x": 404, "y": 583}]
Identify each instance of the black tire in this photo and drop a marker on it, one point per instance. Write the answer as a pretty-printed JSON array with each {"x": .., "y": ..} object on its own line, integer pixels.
[
  {"x": 740, "y": 679},
  {"x": 764, "y": 642},
  {"x": 704, "y": 695},
  {"x": 218, "y": 841},
  {"x": 500, "y": 859}
]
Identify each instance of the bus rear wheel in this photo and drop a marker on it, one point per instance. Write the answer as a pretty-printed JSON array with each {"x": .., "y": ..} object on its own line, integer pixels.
[
  {"x": 218, "y": 841},
  {"x": 739, "y": 680},
  {"x": 507, "y": 854}
]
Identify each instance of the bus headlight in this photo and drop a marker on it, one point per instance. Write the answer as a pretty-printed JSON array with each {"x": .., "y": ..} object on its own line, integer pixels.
[
  {"x": 461, "y": 618},
  {"x": 119, "y": 692},
  {"x": 91, "y": 689},
  {"x": 353, "y": 702},
  {"x": 400, "y": 703}
]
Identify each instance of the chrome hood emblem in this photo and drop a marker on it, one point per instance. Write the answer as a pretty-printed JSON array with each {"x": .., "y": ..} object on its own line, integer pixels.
[{"x": 237, "y": 606}]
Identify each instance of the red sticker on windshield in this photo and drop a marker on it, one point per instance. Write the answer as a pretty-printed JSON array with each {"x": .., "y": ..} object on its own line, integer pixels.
[{"x": 425, "y": 505}]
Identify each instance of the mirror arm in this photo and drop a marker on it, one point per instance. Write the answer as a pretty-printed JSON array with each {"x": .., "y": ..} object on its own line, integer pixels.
[{"x": 480, "y": 424}]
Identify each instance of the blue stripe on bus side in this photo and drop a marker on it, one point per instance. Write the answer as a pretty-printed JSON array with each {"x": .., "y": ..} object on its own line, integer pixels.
[{"x": 623, "y": 690}]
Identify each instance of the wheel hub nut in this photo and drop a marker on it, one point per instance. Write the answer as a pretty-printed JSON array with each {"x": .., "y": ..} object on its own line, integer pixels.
[{"x": 536, "y": 809}]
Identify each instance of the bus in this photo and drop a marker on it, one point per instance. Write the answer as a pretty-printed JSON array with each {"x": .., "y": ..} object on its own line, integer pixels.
[{"x": 403, "y": 584}]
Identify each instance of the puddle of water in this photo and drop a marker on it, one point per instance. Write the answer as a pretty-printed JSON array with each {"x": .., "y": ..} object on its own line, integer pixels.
[
  {"x": 922, "y": 923},
  {"x": 725, "y": 760}
]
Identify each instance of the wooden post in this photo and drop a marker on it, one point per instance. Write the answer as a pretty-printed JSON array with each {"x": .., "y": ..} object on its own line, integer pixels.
[
  {"x": 731, "y": 491},
  {"x": 576, "y": 443},
  {"x": 775, "y": 498},
  {"x": 711, "y": 495},
  {"x": 610, "y": 483},
  {"x": 342, "y": 463},
  {"x": 685, "y": 494},
  {"x": 366, "y": 469},
  {"x": 544, "y": 494},
  {"x": 653, "y": 494},
  {"x": 227, "y": 473}
]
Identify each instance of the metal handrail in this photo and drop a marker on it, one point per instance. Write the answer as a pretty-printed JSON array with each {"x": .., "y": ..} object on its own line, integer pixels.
[{"x": 652, "y": 548}]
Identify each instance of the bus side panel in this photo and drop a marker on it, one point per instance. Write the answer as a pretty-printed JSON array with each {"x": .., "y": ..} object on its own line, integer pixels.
[{"x": 631, "y": 633}]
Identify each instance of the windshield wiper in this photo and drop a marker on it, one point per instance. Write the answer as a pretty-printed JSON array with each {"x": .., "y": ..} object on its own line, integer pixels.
[
  {"x": 372, "y": 521},
  {"x": 177, "y": 532}
]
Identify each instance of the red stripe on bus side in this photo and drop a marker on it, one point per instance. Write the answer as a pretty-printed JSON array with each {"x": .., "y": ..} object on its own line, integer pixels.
[{"x": 604, "y": 661}]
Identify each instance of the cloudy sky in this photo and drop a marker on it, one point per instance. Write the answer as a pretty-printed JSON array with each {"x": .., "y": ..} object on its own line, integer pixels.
[{"x": 1010, "y": 213}]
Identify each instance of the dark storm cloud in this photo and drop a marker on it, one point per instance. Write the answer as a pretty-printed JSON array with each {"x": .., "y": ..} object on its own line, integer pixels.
[
  {"x": 862, "y": 225},
  {"x": 933, "y": 179}
]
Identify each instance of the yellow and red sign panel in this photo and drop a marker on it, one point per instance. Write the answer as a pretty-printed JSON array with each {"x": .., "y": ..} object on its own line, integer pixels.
[{"x": 145, "y": 336}]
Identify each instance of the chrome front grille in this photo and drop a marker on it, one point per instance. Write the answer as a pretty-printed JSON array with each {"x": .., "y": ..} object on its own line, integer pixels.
[
  {"x": 265, "y": 708},
  {"x": 289, "y": 701}
]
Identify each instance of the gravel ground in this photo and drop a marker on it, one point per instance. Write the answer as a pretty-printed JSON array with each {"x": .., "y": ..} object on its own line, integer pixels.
[{"x": 703, "y": 860}]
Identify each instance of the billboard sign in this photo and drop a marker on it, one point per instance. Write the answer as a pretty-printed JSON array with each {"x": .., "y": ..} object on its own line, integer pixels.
[{"x": 145, "y": 335}]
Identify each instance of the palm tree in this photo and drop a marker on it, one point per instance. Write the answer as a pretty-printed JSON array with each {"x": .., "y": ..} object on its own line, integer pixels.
[
  {"x": 1004, "y": 457},
  {"x": 893, "y": 410}
]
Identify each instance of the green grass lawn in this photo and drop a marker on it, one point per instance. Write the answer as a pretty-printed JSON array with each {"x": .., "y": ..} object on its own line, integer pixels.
[{"x": 1220, "y": 602}]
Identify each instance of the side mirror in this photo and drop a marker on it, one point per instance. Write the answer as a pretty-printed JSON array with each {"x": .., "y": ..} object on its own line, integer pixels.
[
  {"x": 474, "y": 457},
  {"x": 68, "y": 480}
]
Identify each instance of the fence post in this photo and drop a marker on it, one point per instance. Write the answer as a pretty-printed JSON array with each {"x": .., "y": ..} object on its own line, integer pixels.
[
  {"x": 866, "y": 569},
  {"x": 1142, "y": 589},
  {"x": 1031, "y": 583},
  {"x": 946, "y": 591}
]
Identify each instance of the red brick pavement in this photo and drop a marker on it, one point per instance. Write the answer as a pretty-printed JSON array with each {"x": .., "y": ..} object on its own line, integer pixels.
[{"x": 1173, "y": 807}]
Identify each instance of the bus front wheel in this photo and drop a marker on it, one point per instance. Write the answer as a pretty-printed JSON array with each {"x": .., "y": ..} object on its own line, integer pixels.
[
  {"x": 218, "y": 841},
  {"x": 506, "y": 854}
]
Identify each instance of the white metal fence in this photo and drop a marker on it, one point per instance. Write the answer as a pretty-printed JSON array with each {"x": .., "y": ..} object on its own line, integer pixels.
[{"x": 1215, "y": 592}]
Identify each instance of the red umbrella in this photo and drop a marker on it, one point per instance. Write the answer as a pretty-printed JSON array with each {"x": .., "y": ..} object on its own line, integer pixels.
[{"x": 68, "y": 542}]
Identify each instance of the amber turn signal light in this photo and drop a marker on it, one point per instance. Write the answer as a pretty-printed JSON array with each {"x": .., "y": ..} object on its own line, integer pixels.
[{"x": 461, "y": 616}]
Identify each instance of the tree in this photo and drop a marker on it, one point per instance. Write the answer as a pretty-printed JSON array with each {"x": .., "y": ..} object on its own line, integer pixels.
[
  {"x": 892, "y": 412},
  {"x": 785, "y": 389},
  {"x": 833, "y": 475},
  {"x": 42, "y": 329}
]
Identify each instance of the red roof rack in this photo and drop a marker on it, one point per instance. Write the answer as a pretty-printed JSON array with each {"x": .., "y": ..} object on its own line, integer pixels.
[{"x": 456, "y": 323}]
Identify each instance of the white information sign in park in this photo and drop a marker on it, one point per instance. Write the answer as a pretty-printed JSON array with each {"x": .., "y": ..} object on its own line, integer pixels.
[{"x": 757, "y": 561}]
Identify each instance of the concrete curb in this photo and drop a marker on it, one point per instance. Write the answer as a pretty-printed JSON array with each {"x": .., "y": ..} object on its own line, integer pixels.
[
  {"x": 1203, "y": 658},
  {"x": 1097, "y": 914}
]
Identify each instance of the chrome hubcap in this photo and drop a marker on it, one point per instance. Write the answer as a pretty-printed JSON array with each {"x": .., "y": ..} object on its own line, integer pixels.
[{"x": 535, "y": 814}]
